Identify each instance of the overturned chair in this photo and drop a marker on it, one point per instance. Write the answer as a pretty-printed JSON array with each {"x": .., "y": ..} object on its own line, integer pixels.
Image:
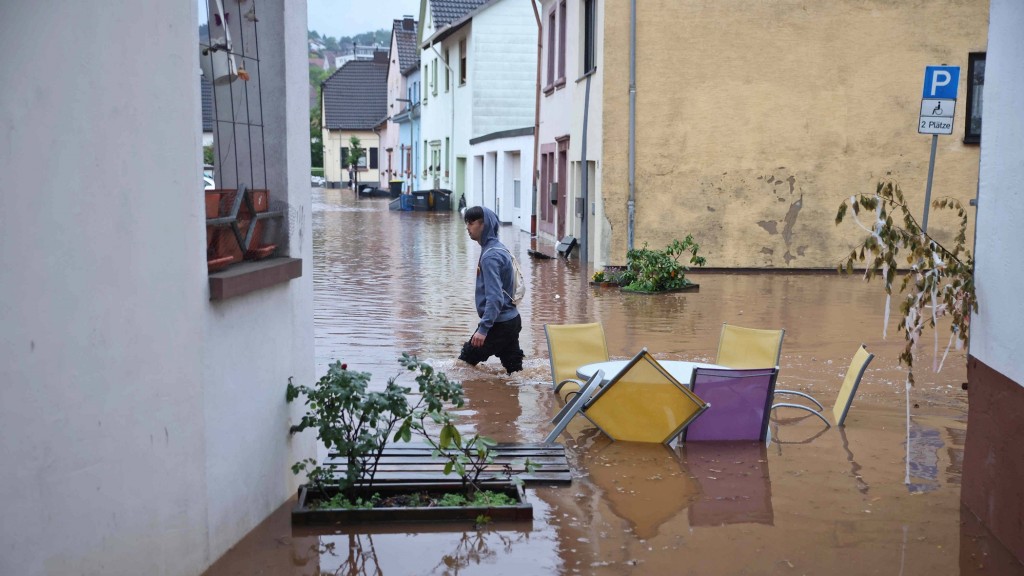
[
  {"x": 844, "y": 399},
  {"x": 641, "y": 403}
]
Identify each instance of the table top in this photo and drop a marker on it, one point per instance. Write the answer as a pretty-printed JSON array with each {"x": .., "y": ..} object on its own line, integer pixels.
[{"x": 679, "y": 369}]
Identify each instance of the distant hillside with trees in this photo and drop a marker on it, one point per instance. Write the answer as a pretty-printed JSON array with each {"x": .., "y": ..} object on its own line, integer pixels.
[{"x": 317, "y": 74}]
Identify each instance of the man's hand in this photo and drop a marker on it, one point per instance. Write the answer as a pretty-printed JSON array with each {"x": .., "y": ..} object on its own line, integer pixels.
[{"x": 478, "y": 339}]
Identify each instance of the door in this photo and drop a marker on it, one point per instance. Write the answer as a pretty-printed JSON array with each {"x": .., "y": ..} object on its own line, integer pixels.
[{"x": 563, "y": 185}]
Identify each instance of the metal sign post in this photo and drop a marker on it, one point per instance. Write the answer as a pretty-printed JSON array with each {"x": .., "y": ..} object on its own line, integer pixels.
[{"x": 938, "y": 103}]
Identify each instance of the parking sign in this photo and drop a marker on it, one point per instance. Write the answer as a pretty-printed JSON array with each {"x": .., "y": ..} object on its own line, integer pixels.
[{"x": 938, "y": 101}]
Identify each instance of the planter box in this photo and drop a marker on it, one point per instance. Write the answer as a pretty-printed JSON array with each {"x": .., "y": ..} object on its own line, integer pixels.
[
  {"x": 222, "y": 247},
  {"x": 303, "y": 515},
  {"x": 687, "y": 288}
]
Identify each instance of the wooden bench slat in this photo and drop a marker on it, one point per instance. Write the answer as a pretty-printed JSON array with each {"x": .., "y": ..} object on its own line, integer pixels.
[{"x": 414, "y": 462}]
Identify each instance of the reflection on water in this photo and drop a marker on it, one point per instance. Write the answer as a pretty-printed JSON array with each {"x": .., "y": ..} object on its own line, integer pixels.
[
  {"x": 735, "y": 484},
  {"x": 387, "y": 282},
  {"x": 923, "y": 453}
]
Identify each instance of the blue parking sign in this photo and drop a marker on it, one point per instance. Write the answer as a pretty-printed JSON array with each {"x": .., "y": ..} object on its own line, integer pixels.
[{"x": 941, "y": 82}]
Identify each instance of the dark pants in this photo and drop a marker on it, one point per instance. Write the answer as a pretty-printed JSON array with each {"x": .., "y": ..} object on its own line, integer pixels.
[{"x": 502, "y": 341}]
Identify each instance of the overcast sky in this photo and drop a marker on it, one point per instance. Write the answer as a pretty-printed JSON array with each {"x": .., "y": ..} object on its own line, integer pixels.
[{"x": 350, "y": 17}]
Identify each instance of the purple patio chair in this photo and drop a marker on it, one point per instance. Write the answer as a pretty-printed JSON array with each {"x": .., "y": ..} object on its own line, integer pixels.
[{"x": 739, "y": 404}]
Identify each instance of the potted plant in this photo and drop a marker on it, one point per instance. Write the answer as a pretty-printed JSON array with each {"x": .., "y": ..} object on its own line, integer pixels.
[
  {"x": 358, "y": 425},
  {"x": 654, "y": 271}
]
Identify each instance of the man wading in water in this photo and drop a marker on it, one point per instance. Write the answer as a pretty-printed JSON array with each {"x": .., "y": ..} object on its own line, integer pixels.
[{"x": 497, "y": 333}]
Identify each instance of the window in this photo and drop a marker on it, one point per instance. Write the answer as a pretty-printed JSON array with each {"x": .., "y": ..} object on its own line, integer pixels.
[
  {"x": 589, "y": 33},
  {"x": 433, "y": 78},
  {"x": 426, "y": 80},
  {"x": 344, "y": 157},
  {"x": 551, "y": 49},
  {"x": 463, "y": 62},
  {"x": 447, "y": 71},
  {"x": 373, "y": 158},
  {"x": 561, "y": 41},
  {"x": 446, "y": 142},
  {"x": 975, "y": 91}
]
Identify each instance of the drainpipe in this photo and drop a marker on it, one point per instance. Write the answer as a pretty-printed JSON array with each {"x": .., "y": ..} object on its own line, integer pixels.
[
  {"x": 585, "y": 178},
  {"x": 631, "y": 205},
  {"x": 536, "y": 126}
]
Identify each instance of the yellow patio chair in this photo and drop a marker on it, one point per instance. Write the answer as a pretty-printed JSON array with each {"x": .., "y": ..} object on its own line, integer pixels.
[
  {"x": 740, "y": 347},
  {"x": 642, "y": 403},
  {"x": 844, "y": 399},
  {"x": 569, "y": 347}
]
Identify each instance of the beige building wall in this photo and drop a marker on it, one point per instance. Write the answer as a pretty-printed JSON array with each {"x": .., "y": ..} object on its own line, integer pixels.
[
  {"x": 755, "y": 120},
  {"x": 335, "y": 140}
]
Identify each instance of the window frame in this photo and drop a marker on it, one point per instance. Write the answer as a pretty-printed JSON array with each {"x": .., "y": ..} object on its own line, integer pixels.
[
  {"x": 463, "y": 62},
  {"x": 562, "y": 16},
  {"x": 447, "y": 70},
  {"x": 589, "y": 37},
  {"x": 552, "y": 49},
  {"x": 972, "y": 135}
]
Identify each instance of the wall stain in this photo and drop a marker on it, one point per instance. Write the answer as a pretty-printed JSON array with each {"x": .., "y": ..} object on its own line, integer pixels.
[
  {"x": 790, "y": 220},
  {"x": 770, "y": 226},
  {"x": 710, "y": 209}
]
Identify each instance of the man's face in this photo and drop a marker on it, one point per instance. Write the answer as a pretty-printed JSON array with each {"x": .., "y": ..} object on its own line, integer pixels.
[{"x": 475, "y": 229}]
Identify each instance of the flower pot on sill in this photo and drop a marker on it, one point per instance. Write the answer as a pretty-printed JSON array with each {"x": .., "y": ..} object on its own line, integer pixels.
[{"x": 302, "y": 514}]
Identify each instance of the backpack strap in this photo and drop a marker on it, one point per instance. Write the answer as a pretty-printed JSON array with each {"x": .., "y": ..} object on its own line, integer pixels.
[{"x": 514, "y": 271}]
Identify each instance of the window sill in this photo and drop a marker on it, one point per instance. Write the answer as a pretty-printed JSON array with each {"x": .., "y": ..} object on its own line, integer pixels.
[
  {"x": 246, "y": 277},
  {"x": 549, "y": 89},
  {"x": 590, "y": 72},
  {"x": 560, "y": 83}
]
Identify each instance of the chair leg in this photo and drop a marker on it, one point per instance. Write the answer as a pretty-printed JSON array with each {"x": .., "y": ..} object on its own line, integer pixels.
[
  {"x": 561, "y": 420},
  {"x": 802, "y": 407},
  {"x": 801, "y": 394}
]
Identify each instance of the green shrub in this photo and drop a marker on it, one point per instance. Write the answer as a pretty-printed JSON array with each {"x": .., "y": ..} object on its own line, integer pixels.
[{"x": 660, "y": 270}]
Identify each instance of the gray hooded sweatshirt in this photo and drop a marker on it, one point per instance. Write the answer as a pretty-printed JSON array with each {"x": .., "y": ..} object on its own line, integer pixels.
[{"x": 494, "y": 280}]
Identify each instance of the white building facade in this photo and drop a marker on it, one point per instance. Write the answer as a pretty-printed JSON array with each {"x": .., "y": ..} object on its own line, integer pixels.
[
  {"x": 993, "y": 456},
  {"x": 479, "y": 81},
  {"x": 144, "y": 425},
  {"x": 570, "y": 62}
]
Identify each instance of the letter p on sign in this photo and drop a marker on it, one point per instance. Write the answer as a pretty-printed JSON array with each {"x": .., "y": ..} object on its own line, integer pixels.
[{"x": 941, "y": 82}]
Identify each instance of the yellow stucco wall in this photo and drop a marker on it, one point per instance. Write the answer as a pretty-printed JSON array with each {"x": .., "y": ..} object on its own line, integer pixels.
[
  {"x": 755, "y": 119},
  {"x": 335, "y": 140}
]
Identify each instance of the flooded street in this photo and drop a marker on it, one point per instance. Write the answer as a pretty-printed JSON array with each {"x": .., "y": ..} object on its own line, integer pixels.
[{"x": 853, "y": 500}]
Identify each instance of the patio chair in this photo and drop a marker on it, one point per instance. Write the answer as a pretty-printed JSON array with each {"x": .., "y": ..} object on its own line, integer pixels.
[
  {"x": 844, "y": 398},
  {"x": 569, "y": 347},
  {"x": 739, "y": 404},
  {"x": 740, "y": 347},
  {"x": 642, "y": 403}
]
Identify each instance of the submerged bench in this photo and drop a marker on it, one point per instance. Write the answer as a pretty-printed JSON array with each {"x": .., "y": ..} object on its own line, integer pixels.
[{"x": 414, "y": 462}]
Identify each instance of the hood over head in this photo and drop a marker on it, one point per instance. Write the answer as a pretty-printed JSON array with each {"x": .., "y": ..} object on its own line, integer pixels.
[{"x": 491, "y": 226}]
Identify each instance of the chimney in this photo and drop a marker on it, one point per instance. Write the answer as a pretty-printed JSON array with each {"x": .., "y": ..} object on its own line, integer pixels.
[{"x": 408, "y": 23}]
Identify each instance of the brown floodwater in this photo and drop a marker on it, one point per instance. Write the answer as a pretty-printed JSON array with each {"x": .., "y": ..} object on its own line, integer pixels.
[{"x": 880, "y": 496}]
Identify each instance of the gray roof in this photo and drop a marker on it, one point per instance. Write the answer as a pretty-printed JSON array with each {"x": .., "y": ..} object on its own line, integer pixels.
[
  {"x": 447, "y": 11},
  {"x": 405, "y": 38},
  {"x": 356, "y": 95}
]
